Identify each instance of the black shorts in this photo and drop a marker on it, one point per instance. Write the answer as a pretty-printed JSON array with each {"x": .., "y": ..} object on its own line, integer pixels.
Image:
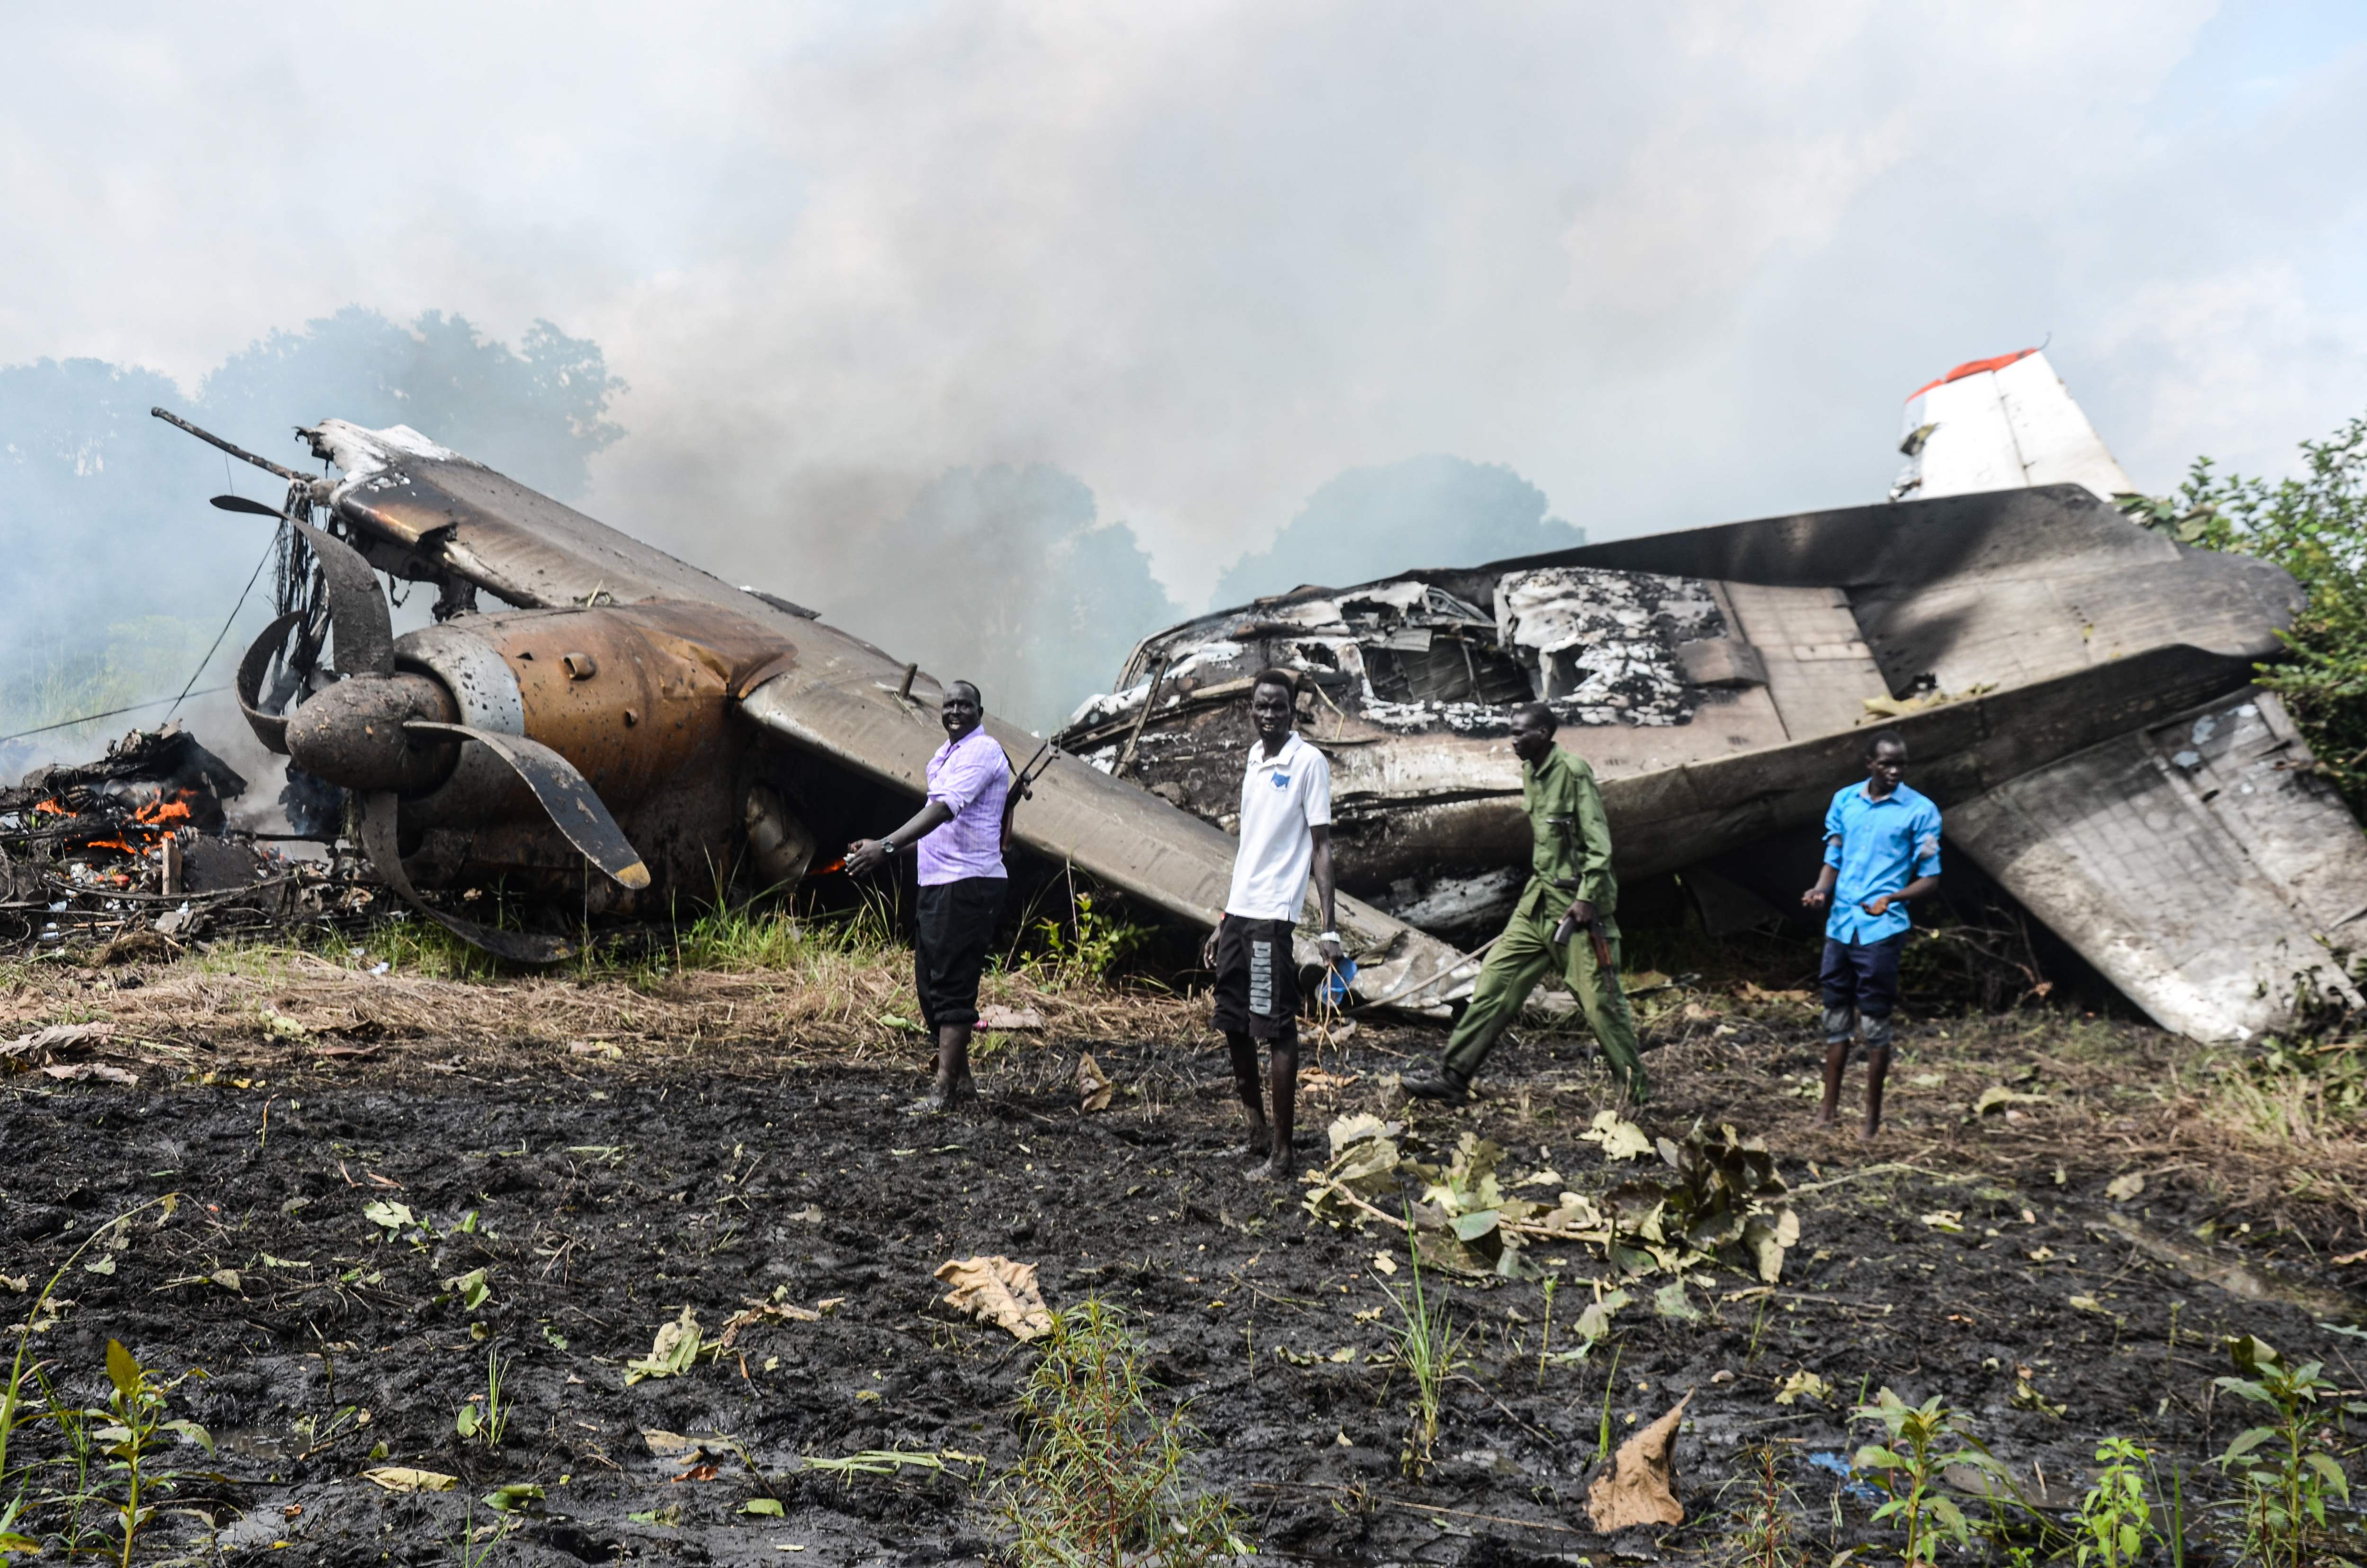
[
  {"x": 952, "y": 930},
  {"x": 1862, "y": 976},
  {"x": 1257, "y": 979}
]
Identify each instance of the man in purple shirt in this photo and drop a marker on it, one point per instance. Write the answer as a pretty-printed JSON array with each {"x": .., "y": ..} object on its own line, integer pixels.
[{"x": 959, "y": 830}]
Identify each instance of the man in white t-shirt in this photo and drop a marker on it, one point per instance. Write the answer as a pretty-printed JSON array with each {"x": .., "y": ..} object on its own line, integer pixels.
[{"x": 1285, "y": 832}]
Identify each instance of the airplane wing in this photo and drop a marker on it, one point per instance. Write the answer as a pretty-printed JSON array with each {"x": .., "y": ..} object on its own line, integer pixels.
[
  {"x": 424, "y": 511},
  {"x": 2199, "y": 863}
]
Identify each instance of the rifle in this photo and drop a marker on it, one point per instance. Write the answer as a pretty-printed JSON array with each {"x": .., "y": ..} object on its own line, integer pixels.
[
  {"x": 1570, "y": 921},
  {"x": 1021, "y": 781}
]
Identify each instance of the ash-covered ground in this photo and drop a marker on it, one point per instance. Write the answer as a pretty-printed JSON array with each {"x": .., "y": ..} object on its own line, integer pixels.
[{"x": 609, "y": 1153}]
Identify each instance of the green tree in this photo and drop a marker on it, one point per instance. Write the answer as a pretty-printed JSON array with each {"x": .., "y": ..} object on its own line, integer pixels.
[{"x": 2314, "y": 526}]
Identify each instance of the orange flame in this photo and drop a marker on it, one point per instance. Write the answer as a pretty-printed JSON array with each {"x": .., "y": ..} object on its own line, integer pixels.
[{"x": 53, "y": 808}]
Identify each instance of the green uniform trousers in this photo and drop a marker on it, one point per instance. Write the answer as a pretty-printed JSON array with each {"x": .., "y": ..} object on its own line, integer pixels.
[{"x": 1524, "y": 955}]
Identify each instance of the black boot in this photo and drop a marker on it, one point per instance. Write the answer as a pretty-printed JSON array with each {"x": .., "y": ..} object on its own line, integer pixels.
[{"x": 1440, "y": 1082}]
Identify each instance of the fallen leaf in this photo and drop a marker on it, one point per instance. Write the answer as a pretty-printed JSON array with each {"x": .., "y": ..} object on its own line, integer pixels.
[
  {"x": 1621, "y": 1138},
  {"x": 1370, "y": 1315},
  {"x": 1803, "y": 1384},
  {"x": 763, "y": 1312},
  {"x": 2119, "y": 1190},
  {"x": 671, "y": 1353},
  {"x": 402, "y": 1478},
  {"x": 1595, "y": 1321},
  {"x": 1384, "y": 1264},
  {"x": 2358, "y": 1256},
  {"x": 2027, "y": 1397},
  {"x": 99, "y": 1265},
  {"x": 79, "y": 1071},
  {"x": 1947, "y": 1220},
  {"x": 394, "y": 1216},
  {"x": 1641, "y": 1486},
  {"x": 594, "y": 1048},
  {"x": 512, "y": 1498},
  {"x": 1009, "y": 1020},
  {"x": 997, "y": 1291},
  {"x": 282, "y": 1026},
  {"x": 1094, "y": 1086},
  {"x": 668, "y": 1445},
  {"x": 1671, "y": 1302},
  {"x": 2088, "y": 1304},
  {"x": 54, "y": 1036},
  {"x": 768, "y": 1508},
  {"x": 1996, "y": 1096}
]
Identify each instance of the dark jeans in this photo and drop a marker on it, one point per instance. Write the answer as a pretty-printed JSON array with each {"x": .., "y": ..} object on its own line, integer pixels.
[
  {"x": 1860, "y": 985},
  {"x": 952, "y": 931}
]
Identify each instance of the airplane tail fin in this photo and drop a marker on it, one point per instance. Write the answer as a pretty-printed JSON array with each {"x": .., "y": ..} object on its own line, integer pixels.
[{"x": 2001, "y": 424}]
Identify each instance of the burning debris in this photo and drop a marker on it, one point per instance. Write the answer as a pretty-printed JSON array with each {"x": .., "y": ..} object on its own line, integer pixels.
[{"x": 136, "y": 847}]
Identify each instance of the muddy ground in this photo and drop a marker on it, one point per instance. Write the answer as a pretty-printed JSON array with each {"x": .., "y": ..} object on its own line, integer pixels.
[{"x": 602, "y": 1194}]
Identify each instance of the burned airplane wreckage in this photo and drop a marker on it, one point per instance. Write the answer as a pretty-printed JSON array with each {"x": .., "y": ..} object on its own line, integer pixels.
[
  {"x": 624, "y": 732},
  {"x": 2076, "y": 691}
]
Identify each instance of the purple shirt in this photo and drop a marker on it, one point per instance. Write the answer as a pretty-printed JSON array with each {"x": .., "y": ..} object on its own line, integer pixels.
[{"x": 971, "y": 777}]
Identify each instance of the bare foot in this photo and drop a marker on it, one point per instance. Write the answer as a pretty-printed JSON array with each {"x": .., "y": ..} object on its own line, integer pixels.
[
  {"x": 1868, "y": 1134},
  {"x": 1826, "y": 1116},
  {"x": 1258, "y": 1173},
  {"x": 1276, "y": 1169},
  {"x": 1259, "y": 1143}
]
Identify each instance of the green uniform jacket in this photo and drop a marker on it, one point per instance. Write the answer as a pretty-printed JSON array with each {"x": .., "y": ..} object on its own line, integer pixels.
[{"x": 1563, "y": 786}]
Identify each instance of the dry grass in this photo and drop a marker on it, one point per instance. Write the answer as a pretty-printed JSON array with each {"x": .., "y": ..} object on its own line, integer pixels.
[{"x": 763, "y": 996}]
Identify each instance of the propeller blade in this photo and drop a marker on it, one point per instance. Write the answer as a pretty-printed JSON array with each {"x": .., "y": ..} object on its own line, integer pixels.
[
  {"x": 379, "y": 843},
  {"x": 358, "y": 618},
  {"x": 574, "y": 808},
  {"x": 271, "y": 729},
  {"x": 359, "y": 622}
]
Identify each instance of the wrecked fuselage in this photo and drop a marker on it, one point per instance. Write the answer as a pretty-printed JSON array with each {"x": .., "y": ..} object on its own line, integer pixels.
[{"x": 2039, "y": 652}]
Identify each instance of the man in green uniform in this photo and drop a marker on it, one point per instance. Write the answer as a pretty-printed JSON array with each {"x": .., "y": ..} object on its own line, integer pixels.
[{"x": 1571, "y": 855}]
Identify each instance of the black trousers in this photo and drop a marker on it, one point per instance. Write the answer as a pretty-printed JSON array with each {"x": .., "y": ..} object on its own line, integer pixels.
[
  {"x": 952, "y": 931},
  {"x": 1257, "y": 979}
]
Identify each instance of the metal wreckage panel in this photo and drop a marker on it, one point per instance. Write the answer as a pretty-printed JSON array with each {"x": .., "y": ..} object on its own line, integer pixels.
[{"x": 1718, "y": 681}]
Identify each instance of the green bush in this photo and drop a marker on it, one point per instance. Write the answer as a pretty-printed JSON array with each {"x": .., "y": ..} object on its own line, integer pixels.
[{"x": 2316, "y": 528}]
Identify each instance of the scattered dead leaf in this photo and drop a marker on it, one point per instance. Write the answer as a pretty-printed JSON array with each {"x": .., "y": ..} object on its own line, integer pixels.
[
  {"x": 1094, "y": 1086},
  {"x": 997, "y": 1291},
  {"x": 1641, "y": 1486}
]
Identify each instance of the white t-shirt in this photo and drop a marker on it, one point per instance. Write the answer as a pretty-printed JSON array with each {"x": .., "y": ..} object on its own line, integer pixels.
[{"x": 1282, "y": 796}]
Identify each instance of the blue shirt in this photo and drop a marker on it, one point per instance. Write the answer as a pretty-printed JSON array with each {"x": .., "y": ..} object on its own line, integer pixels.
[{"x": 1878, "y": 846}]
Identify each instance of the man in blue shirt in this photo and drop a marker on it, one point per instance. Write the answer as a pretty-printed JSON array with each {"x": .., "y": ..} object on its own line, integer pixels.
[{"x": 1882, "y": 852}]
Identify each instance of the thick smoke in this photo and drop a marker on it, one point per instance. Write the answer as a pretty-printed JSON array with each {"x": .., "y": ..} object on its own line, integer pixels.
[
  {"x": 1426, "y": 511},
  {"x": 1007, "y": 577}
]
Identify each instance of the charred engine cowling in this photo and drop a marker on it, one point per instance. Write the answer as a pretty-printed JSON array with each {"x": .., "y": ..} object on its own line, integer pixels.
[{"x": 637, "y": 708}]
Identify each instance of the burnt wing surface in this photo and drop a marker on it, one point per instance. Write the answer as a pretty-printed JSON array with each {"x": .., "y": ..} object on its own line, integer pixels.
[{"x": 1720, "y": 681}]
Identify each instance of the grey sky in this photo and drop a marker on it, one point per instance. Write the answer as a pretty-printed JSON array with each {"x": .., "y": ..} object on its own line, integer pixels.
[{"x": 1674, "y": 263}]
